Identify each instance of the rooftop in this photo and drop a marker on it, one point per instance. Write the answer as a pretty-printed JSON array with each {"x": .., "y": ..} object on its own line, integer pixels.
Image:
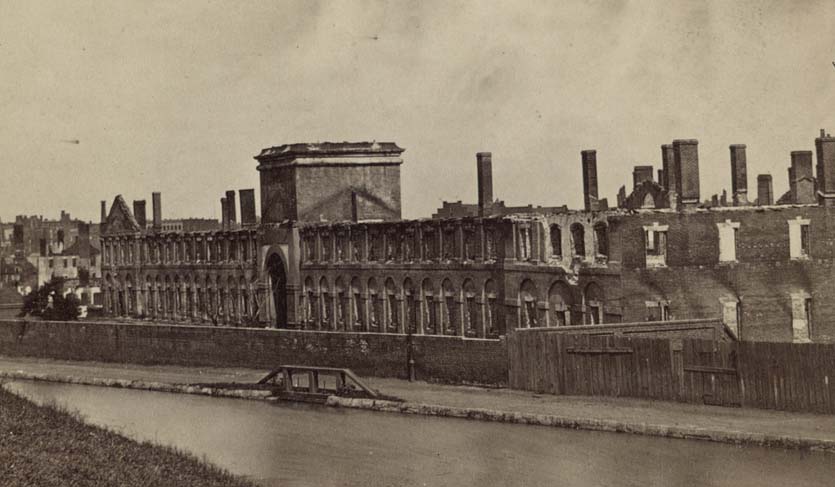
[{"x": 289, "y": 151}]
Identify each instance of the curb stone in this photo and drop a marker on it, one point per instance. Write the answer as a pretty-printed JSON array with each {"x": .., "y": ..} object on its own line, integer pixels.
[
  {"x": 139, "y": 385},
  {"x": 679, "y": 431}
]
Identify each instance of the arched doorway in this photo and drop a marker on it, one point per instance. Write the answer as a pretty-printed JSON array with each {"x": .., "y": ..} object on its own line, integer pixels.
[{"x": 278, "y": 287}]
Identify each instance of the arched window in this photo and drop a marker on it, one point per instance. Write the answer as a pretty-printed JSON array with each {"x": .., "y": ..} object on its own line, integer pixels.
[
  {"x": 342, "y": 304},
  {"x": 326, "y": 304},
  {"x": 392, "y": 307},
  {"x": 108, "y": 287},
  {"x": 410, "y": 301},
  {"x": 428, "y": 304},
  {"x": 594, "y": 299},
  {"x": 559, "y": 304},
  {"x": 492, "y": 321},
  {"x": 149, "y": 296},
  {"x": 169, "y": 297},
  {"x": 130, "y": 306},
  {"x": 601, "y": 236},
  {"x": 578, "y": 238},
  {"x": 375, "y": 310},
  {"x": 527, "y": 305},
  {"x": 308, "y": 303},
  {"x": 189, "y": 297},
  {"x": 556, "y": 241},
  {"x": 449, "y": 307},
  {"x": 209, "y": 290},
  {"x": 471, "y": 312},
  {"x": 228, "y": 298},
  {"x": 159, "y": 297},
  {"x": 178, "y": 303},
  {"x": 357, "y": 316},
  {"x": 244, "y": 297}
]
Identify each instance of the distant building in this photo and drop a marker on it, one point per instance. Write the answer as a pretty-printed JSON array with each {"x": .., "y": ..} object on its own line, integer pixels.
[
  {"x": 457, "y": 209},
  {"x": 78, "y": 265},
  {"x": 190, "y": 225}
]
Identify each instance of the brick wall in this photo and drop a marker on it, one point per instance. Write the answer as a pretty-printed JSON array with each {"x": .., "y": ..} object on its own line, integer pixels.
[
  {"x": 441, "y": 359},
  {"x": 325, "y": 192},
  {"x": 278, "y": 195},
  {"x": 762, "y": 278}
]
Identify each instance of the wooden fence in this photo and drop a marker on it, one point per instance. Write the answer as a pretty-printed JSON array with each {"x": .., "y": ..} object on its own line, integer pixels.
[{"x": 786, "y": 376}]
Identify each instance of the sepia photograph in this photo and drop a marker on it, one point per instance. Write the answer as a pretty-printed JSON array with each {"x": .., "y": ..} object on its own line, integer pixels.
[{"x": 417, "y": 243}]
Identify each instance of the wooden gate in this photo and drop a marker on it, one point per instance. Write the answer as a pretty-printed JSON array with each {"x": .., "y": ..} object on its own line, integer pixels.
[{"x": 709, "y": 373}]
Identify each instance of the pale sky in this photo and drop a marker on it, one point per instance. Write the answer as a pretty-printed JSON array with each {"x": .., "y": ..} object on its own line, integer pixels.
[{"x": 179, "y": 96}]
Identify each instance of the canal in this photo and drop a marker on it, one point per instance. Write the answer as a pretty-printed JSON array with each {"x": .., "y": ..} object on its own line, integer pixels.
[{"x": 303, "y": 445}]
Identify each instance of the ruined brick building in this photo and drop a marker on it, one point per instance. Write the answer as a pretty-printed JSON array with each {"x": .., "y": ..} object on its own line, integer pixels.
[{"x": 331, "y": 252}]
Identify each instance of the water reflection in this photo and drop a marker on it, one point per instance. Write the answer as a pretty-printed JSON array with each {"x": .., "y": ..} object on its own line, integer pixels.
[{"x": 300, "y": 445}]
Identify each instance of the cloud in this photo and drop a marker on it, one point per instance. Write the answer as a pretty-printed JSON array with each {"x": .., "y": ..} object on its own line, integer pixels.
[{"x": 169, "y": 94}]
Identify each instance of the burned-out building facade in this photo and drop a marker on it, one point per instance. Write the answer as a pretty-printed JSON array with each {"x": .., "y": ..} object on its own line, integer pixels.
[{"x": 331, "y": 252}]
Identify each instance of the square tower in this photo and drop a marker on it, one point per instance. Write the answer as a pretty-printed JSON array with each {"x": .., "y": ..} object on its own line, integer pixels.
[{"x": 330, "y": 181}]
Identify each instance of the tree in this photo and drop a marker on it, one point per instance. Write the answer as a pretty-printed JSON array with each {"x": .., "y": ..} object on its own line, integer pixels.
[{"x": 49, "y": 303}]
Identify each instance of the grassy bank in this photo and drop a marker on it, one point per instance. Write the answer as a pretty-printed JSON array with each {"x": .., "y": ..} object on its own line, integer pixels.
[{"x": 43, "y": 446}]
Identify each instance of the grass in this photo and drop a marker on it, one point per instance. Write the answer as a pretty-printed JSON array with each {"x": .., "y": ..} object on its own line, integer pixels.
[{"x": 47, "y": 446}]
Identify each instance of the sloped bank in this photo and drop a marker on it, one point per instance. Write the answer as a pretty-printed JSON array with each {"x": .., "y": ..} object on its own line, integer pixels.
[{"x": 47, "y": 446}]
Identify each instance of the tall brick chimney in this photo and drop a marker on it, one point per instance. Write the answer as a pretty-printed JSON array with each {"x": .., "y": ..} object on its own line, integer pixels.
[
  {"x": 139, "y": 213},
  {"x": 739, "y": 175},
  {"x": 686, "y": 153},
  {"x": 484, "y": 168},
  {"x": 590, "y": 199},
  {"x": 641, "y": 174},
  {"x": 103, "y": 211},
  {"x": 803, "y": 179},
  {"x": 42, "y": 248},
  {"x": 668, "y": 163},
  {"x": 765, "y": 191},
  {"x": 224, "y": 213},
  {"x": 662, "y": 178},
  {"x": 355, "y": 210},
  {"x": 247, "y": 197},
  {"x": 825, "y": 148},
  {"x": 156, "y": 201},
  {"x": 231, "y": 213}
]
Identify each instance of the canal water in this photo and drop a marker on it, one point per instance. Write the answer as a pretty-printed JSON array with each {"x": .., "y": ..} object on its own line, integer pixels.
[{"x": 304, "y": 445}]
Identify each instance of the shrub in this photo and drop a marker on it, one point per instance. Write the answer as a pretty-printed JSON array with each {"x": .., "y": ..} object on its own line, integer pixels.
[{"x": 49, "y": 303}]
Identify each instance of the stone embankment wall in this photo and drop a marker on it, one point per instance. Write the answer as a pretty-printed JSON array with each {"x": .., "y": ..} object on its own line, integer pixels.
[{"x": 437, "y": 358}]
